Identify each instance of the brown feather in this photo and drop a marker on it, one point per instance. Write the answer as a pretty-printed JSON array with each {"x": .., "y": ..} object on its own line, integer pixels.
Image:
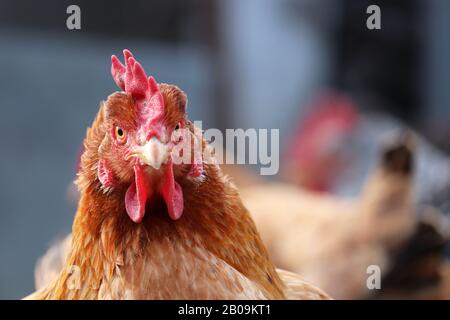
[{"x": 213, "y": 251}]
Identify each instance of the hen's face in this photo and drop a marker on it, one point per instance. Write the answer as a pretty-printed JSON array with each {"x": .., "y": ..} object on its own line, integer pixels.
[
  {"x": 137, "y": 152},
  {"x": 137, "y": 149},
  {"x": 128, "y": 141}
]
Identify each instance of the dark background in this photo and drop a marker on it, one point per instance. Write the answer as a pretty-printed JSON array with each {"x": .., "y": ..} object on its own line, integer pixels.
[{"x": 242, "y": 63}]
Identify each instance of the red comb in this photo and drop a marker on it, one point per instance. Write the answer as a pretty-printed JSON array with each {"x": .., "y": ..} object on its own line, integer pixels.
[{"x": 132, "y": 79}]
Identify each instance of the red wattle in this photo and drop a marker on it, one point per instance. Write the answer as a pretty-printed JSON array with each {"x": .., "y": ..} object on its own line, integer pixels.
[
  {"x": 136, "y": 196},
  {"x": 172, "y": 193}
]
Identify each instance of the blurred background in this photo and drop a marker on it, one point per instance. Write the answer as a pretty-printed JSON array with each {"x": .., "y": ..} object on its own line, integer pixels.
[{"x": 308, "y": 67}]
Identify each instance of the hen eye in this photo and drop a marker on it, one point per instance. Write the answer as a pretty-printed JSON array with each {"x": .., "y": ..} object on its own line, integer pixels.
[
  {"x": 177, "y": 126},
  {"x": 120, "y": 134}
]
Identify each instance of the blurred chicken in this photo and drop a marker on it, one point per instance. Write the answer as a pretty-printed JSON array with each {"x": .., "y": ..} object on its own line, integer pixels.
[
  {"x": 317, "y": 152},
  {"x": 332, "y": 241},
  {"x": 335, "y": 144},
  {"x": 420, "y": 269},
  {"x": 150, "y": 227}
]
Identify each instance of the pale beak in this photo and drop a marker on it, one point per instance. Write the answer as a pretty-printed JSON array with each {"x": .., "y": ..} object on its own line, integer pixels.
[{"x": 153, "y": 153}]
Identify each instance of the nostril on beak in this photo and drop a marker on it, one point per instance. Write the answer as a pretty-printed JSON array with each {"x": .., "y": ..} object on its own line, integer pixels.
[
  {"x": 154, "y": 153},
  {"x": 152, "y": 133}
]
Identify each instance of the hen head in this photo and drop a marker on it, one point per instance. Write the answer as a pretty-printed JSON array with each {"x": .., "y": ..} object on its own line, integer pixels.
[{"x": 144, "y": 126}]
